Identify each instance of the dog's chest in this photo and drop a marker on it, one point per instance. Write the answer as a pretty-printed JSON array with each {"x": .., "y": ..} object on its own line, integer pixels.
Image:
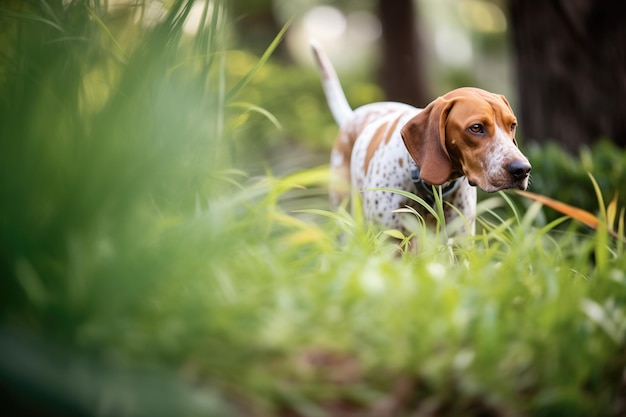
[{"x": 461, "y": 200}]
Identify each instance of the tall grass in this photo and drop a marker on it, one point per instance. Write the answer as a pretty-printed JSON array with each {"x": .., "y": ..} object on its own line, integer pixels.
[{"x": 143, "y": 273}]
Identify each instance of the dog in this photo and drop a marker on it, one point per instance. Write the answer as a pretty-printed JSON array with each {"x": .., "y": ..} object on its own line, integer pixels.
[{"x": 463, "y": 139}]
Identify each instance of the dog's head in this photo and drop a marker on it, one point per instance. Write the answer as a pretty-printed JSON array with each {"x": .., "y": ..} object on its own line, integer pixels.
[{"x": 468, "y": 132}]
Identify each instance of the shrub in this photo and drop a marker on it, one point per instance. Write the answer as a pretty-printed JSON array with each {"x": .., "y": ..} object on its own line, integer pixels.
[{"x": 563, "y": 176}]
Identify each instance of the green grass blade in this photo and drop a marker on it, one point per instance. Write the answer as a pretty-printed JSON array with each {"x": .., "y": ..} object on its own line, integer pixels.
[
  {"x": 600, "y": 198},
  {"x": 254, "y": 108},
  {"x": 106, "y": 30},
  {"x": 266, "y": 55},
  {"x": 511, "y": 205},
  {"x": 412, "y": 197}
]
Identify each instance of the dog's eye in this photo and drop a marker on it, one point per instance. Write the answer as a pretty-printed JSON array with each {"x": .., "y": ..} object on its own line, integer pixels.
[{"x": 477, "y": 129}]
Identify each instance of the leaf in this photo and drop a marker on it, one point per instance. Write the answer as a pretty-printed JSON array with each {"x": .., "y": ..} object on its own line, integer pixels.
[
  {"x": 266, "y": 55},
  {"x": 597, "y": 314},
  {"x": 394, "y": 233},
  {"x": 106, "y": 30},
  {"x": 576, "y": 213},
  {"x": 410, "y": 196},
  {"x": 24, "y": 16},
  {"x": 251, "y": 107},
  {"x": 611, "y": 212},
  {"x": 596, "y": 187}
]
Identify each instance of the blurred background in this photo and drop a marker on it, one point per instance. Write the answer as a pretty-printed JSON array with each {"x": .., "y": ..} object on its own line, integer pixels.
[
  {"x": 164, "y": 244},
  {"x": 560, "y": 63}
]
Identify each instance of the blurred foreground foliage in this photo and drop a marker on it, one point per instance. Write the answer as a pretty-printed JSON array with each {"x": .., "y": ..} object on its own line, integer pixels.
[
  {"x": 293, "y": 95},
  {"x": 144, "y": 273}
]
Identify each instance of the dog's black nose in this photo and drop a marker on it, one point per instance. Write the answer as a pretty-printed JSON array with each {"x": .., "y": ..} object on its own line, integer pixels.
[{"x": 519, "y": 169}]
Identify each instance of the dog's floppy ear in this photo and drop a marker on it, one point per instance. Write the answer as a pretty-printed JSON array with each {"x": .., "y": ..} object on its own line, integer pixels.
[{"x": 425, "y": 138}]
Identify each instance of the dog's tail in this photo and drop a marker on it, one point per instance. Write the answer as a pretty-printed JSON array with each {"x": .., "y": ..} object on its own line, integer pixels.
[{"x": 335, "y": 96}]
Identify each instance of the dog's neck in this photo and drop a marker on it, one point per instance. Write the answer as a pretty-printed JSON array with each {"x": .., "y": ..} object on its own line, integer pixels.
[{"x": 426, "y": 190}]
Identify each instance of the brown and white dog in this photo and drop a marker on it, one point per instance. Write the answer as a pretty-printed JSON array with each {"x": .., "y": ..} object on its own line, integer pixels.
[{"x": 463, "y": 139}]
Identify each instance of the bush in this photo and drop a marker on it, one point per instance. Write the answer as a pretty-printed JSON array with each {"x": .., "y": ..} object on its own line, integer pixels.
[{"x": 560, "y": 175}]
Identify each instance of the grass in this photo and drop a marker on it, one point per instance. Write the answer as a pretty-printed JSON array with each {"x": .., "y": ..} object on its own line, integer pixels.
[{"x": 145, "y": 273}]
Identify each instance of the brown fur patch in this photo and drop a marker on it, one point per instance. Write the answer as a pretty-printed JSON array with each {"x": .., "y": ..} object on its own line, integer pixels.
[
  {"x": 382, "y": 134},
  {"x": 374, "y": 144}
]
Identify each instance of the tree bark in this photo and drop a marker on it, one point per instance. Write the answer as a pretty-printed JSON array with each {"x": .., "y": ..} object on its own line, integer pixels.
[
  {"x": 571, "y": 70},
  {"x": 401, "y": 72}
]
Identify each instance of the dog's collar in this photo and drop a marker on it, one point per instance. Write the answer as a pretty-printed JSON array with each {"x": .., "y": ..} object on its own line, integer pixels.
[{"x": 427, "y": 189}]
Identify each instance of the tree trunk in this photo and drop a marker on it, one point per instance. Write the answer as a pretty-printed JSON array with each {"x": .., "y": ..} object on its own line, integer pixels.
[
  {"x": 571, "y": 70},
  {"x": 402, "y": 76}
]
